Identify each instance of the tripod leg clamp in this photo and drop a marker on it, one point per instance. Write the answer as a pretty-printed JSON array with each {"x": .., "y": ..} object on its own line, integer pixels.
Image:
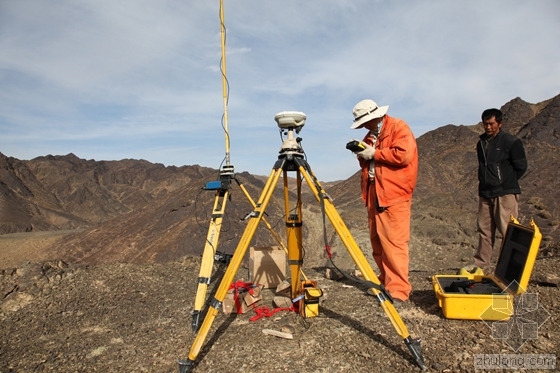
[
  {"x": 215, "y": 303},
  {"x": 295, "y": 262},
  {"x": 383, "y": 295}
]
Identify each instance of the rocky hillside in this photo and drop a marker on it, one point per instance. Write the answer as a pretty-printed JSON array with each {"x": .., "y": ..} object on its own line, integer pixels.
[
  {"x": 136, "y": 211},
  {"x": 66, "y": 192},
  {"x": 447, "y": 186}
]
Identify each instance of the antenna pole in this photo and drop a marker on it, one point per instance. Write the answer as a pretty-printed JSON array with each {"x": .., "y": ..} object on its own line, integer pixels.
[
  {"x": 225, "y": 89},
  {"x": 222, "y": 188}
]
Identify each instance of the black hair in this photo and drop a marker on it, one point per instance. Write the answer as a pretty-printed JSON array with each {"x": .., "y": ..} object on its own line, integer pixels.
[{"x": 489, "y": 113}]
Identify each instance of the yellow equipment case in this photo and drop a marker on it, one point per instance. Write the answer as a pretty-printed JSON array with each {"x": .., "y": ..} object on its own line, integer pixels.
[
  {"x": 309, "y": 303},
  {"x": 480, "y": 297}
]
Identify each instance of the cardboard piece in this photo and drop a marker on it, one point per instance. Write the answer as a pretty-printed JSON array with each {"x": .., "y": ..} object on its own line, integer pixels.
[
  {"x": 228, "y": 305},
  {"x": 245, "y": 300},
  {"x": 267, "y": 265},
  {"x": 251, "y": 299}
]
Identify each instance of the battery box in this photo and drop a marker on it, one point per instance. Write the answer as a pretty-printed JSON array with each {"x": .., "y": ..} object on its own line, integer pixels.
[
  {"x": 490, "y": 297},
  {"x": 309, "y": 302}
]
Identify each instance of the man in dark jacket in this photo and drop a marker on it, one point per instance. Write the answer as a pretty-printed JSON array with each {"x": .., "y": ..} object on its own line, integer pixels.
[{"x": 501, "y": 163}]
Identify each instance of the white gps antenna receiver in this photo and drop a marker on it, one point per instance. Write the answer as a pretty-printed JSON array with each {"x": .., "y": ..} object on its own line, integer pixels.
[{"x": 290, "y": 120}]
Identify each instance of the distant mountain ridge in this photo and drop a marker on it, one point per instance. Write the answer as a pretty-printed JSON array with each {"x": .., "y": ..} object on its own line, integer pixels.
[
  {"x": 66, "y": 192},
  {"x": 137, "y": 211}
]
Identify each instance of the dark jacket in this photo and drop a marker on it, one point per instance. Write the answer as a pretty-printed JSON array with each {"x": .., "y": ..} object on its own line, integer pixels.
[{"x": 501, "y": 163}]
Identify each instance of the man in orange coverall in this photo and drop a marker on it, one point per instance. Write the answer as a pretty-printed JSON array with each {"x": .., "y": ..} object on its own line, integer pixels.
[{"x": 389, "y": 166}]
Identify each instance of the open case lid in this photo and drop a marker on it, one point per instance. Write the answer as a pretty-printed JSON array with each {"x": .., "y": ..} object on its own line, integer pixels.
[{"x": 517, "y": 257}]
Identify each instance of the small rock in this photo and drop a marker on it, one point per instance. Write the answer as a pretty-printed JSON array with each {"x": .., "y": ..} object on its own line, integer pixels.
[
  {"x": 284, "y": 288},
  {"x": 288, "y": 329},
  {"x": 282, "y": 302},
  {"x": 333, "y": 274}
]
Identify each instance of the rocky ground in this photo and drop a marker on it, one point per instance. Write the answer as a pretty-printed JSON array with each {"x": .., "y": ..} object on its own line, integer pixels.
[{"x": 60, "y": 317}]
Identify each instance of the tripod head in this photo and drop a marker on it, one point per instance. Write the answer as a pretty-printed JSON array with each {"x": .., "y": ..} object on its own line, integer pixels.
[{"x": 288, "y": 122}]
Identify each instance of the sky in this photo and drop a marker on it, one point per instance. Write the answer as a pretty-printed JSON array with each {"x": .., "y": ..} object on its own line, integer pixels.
[{"x": 110, "y": 80}]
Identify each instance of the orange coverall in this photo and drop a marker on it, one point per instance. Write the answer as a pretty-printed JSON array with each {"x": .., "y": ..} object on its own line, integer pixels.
[{"x": 396, "y": 171}]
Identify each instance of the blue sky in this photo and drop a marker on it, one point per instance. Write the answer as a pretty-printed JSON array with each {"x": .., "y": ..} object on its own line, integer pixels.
[{"x": 140, "y": 79}]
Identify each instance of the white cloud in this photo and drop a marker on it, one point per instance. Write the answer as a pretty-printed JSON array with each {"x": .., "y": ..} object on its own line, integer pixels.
[{"x": 83, "y": 76}]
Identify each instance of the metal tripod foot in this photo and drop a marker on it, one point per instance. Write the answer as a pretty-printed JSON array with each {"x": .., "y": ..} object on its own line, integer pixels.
[
  {"x": 414, "y": 348},
  {"x": 185, "y": 366},
  {"x": 195, "y": 321}
]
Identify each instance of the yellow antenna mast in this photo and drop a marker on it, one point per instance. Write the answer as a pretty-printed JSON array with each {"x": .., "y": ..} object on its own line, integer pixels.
[
  {"x": 225, "y": 89},
  {"x": 222, "y": 188}
]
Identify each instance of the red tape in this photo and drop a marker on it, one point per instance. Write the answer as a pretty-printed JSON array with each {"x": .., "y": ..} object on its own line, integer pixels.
[
  {"x": 237, "y": 286},
  {"x": 329, "y": 252},
  {"x": 264, "y": 311}
]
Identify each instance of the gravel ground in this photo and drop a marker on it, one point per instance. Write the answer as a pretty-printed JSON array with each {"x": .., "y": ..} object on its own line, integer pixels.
[{"x": 136, "y": 318}]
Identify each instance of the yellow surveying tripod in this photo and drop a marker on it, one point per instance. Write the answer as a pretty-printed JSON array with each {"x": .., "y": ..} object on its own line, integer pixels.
[
  {"x": 210, "y": 254},
  {"x": 222, "y": 186},
  {"x": 291, "y": 159}
]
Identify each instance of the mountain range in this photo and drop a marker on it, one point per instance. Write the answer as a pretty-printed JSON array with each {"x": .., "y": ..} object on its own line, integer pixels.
[{"x": 140, "y": 212}]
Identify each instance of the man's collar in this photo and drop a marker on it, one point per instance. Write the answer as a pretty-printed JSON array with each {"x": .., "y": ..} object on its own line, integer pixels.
[{"x": 488, "y": 138}]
